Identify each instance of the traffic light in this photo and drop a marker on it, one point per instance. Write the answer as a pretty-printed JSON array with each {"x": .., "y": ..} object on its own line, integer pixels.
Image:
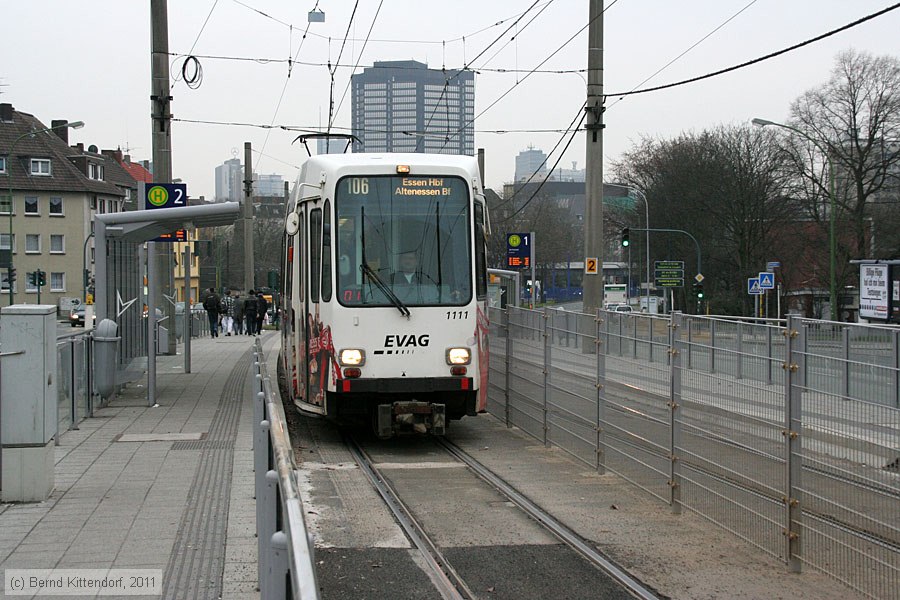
[
  {"x": 32, "y": 278},
  {"x": 698, "y": 290},
  {"x": 11, "y": 275},
  {"x": 625, "y": 240},
  {"x": 42, "y": 278}
]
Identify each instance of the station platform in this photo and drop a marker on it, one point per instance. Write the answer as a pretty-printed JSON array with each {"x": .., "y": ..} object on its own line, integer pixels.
[{"x": 168, "y": 487}]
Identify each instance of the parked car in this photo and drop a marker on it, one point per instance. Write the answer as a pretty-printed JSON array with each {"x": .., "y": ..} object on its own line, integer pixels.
[
  {"x": 76, "y": 317},
  {"x": 623, "y": 308}
]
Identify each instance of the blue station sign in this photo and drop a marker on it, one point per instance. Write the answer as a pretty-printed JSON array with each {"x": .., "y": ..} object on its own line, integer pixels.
[
  {"x": 518, "y": 251},
  {"x": 167, "y": 195}
]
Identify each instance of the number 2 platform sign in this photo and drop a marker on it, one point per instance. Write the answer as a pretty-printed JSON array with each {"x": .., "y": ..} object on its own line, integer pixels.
[{"x": 166, "y": 195}]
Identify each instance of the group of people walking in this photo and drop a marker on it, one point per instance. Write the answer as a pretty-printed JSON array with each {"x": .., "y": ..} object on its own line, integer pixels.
[{"x": 235, "y": 314}]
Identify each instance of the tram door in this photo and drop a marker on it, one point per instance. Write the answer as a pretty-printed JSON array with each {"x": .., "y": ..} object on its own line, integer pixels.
[
  {"x": 315, "y": 392},
  {"x": 299, "y": 278}
]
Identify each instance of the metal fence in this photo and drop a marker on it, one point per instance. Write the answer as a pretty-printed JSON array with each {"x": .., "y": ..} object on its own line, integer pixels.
[
  {"x": 286, "y": 567},
  {"x": 74, "y": 379},
  {"x": 786, "y": 434}
]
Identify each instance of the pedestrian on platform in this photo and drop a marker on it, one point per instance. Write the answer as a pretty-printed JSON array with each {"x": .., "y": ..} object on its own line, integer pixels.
[
  {"x": 250, "y": 308},
  {"x": 211, "y": 304}
]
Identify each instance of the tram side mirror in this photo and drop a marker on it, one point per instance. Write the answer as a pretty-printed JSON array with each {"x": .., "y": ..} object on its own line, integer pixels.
[{"x": 292, "y": 223}]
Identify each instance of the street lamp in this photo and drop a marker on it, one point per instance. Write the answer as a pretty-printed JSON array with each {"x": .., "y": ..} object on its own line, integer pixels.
[
  {"x": 647, "y": 217},
  {"x": 832, "y": 290},
  {"x": 9, "y": 160}
]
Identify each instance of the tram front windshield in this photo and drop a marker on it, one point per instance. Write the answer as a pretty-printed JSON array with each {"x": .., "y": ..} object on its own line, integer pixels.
[{"x": 403, "y": 238}]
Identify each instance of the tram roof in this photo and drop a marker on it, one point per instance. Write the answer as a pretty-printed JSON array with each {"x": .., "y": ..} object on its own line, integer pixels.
[{"x": 418, "y": 160}]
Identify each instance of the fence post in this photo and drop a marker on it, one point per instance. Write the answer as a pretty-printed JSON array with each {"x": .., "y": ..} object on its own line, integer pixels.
[
  {"x": 769, "y": 356},
  {"x": 739, "y": 352},
  {"x": 675, "y": 349},
  {"x": 74, "y": 424},
  {"x": 712, "y": 346},
  {"x": 601, "y": 392},
  {"x": 260, "y": 466},
  {"x": 794, "y": 366},
  {"x": 89, "y": 358},
  {"x": 845, "y": 354},
  {"x": 546, "y": 335},
  {"x": 895, "y": 353},
  {"x": 277, "y": 578},
  {"x": 650, "y": 340},
  {"x": 506, "y": 370},
  {"x": 690, "y": 341},
  {"x": 634, "y": 338},
  {"x": 266, "y": 524}
]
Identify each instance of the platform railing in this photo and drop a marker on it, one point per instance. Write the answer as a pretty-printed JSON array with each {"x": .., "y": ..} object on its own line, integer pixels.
[{"x": 286, "y": 564}]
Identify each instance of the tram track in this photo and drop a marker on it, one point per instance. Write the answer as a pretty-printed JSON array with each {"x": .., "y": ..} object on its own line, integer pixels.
[{"x": 448, "y": 581}]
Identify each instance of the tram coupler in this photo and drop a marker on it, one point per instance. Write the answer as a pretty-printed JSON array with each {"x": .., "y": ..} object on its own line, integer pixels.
[{"x": 410, "y": 417}]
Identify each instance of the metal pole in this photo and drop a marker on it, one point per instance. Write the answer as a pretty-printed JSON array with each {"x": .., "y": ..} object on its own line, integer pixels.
[
  {"x": 188, "y": 313},
  {"x": 593, "y": 217},
  {"x": 161, "y": 138},
  {"x": 249, "y": 280},
  {"x": 533, "y": 275},
  {"x": 151, "y": 323}
]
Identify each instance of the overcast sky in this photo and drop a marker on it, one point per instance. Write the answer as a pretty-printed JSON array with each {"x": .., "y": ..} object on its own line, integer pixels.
[{"x": 90, "y": 61}]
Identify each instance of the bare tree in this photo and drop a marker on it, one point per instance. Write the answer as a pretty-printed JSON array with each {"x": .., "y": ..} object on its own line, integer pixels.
[
  {"x": 725, "y": 186},
  {"x": 855, "y": 118}
]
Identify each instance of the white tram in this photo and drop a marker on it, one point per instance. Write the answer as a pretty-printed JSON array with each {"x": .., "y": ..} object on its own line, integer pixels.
[{"x": 384, "y": 290}]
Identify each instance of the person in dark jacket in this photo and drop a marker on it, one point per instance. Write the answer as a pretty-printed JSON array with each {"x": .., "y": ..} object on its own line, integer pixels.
[
  {"x": 261, "y": 309},
  {"x": 251, "y": 304},
  {"x": 211, "y": 304}
]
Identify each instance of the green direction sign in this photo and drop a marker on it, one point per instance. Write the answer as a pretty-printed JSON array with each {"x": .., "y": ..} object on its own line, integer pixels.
[
  {"x": 670, "y": 282},
  {"x": 669, "y": 274},
  {"x": 669, "y": 264}
]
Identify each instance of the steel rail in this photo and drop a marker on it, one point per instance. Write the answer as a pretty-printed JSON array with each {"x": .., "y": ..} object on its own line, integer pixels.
[
  {"x": 566, "y": 535},
  {"x": 448, "y": 582}
]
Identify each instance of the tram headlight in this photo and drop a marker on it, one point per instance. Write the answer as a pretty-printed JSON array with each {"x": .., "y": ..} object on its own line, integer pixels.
[
  {"x": 353, "y": 357},
  {"x": 458, "y": 356}
]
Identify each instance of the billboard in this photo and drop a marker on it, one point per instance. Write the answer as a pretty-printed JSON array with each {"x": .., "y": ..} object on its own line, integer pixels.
[{"x": 874, "y": 291}]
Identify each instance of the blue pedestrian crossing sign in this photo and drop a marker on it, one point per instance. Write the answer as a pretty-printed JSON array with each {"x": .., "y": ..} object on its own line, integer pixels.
[
  {"x": 767, "y": 281},
  {"x": 753, "y": 286}
]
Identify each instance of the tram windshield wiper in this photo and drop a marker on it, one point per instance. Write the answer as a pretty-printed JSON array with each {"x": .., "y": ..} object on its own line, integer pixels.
[{"x": 373, "y": 276}]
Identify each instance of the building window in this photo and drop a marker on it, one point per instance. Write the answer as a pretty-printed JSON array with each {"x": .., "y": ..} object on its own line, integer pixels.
[
  {"x": 57, "y": 243},
  {"x": 31, "y": 205},
  {"x": 32, "y": 243},
  {"x": 96, "y": 171},
  {"x": 2, "y": 164},
  {"x": 29, "y": 287},
  {"x": 5, "y": 204},
  {"x": 5, "y": 244},
  {"x": 40, "y": 166},
  {"x": 4, "y": 281},
  {"x": 102, "y": 208},
  {"x": 56, "y": 206},
  {"x": 57, "y": 282}
]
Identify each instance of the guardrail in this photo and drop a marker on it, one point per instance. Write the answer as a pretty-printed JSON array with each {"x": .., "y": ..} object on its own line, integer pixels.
[
  {"x": 285, "y": 547},
  {"x": 787, "y": 435}
]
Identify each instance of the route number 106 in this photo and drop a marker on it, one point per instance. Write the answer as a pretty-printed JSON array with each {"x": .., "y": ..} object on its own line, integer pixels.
[{"x": 358, "y": 185}]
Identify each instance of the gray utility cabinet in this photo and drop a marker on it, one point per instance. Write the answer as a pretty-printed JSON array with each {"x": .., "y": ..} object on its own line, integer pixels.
[{"x": 28, "y": 400}]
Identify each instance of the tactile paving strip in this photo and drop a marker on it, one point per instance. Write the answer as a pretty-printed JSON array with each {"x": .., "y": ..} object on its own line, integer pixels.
[{"x": 198, "y": 556}]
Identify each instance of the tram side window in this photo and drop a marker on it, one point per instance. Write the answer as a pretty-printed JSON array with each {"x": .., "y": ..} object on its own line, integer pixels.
[
  {"x": 480, "y": 258},
  {"x": 315, "y": 253},
  {"x": 326, "y": 254}
]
